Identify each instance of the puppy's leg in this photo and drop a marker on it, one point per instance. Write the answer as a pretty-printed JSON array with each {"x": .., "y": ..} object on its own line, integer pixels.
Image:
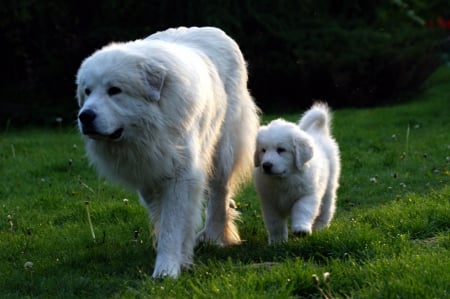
[
  {"x": 179, "y": 206},
  {"x": 328, "y": 205},
  {"x": 327, "y": 210},
  {"x": 304, "y": 211},
  {"x": 275, "y": 223}
]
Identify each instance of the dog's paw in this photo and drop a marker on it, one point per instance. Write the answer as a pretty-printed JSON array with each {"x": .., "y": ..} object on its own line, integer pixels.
[
  {"x": 301, "y": 232},
  {"x": 205, "y": 236},
  {"x": 219, "y": 233},
  {"x": 318, "y": 225},
  {"x": 166, "y": 270},
  {"x": 200, "y": 238},
  {"x": 275, "y": 240},
  {"x": 232, "y": 204}
]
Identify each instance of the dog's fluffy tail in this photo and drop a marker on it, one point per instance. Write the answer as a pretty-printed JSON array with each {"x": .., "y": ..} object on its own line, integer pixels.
[{"x": 318, "y": 117}]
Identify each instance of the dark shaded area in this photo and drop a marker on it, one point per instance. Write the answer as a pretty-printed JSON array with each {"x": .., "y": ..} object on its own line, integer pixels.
[{"x": 349, "y": 53}]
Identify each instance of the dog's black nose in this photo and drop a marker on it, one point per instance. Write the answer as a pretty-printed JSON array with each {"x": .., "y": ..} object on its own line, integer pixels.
[
  {"x": 87, "y": 116},
  {"x": 267, "y": 166}
]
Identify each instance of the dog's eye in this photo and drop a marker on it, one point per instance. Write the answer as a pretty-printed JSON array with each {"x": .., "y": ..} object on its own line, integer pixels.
[
  {"x": 87, "y": 91},
  {"x": 281, "y": 150},
  {"x": 263, "y": 150},
  {"x": 114, "y": 90}
]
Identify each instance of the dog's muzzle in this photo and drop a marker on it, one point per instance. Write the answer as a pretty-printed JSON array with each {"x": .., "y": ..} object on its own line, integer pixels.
[
  {"x": 267, "y": 167},
  {"x": 87, "y": 117},
  {"x": 87, "y": 125},
  {"x": 269, "y": 170}
]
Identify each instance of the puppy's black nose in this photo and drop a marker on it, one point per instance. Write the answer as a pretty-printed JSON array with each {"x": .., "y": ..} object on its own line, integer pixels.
[
  {"x": 267, "y": 166},
  {"x": 87, "y": 116}
]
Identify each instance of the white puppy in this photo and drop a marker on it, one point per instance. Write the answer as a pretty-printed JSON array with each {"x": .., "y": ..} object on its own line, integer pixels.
[
  {"x": 171, "y": 117},
  {"x": 296, "y": 172}
]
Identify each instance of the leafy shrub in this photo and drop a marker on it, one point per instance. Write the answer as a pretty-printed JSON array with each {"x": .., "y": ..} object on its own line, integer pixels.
[{"x": 349, "y": 53}]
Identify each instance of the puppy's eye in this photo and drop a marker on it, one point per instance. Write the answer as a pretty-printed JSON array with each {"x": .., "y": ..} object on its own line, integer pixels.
[
  {"x": 114, "y": 90},
  {"x": 263, "y": 150},
  {"x": 281, "y": 150},
  {"x": 87, "y": 91}
]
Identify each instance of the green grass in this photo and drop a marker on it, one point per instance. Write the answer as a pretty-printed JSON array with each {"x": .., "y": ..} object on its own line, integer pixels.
[{"x": 390, "y": 237}]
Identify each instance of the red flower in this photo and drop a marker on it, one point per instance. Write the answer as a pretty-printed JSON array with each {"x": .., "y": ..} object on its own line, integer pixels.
[{"x": 443, "y": 23}]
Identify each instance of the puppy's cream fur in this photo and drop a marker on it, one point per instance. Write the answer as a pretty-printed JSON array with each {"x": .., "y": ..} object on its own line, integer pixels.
[{"x": 296, "y": 173}]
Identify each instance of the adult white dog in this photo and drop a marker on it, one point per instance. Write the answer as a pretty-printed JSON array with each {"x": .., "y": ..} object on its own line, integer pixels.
[
  {"x": 296, "y": 172},
  {"x": 171, "y": 117}
]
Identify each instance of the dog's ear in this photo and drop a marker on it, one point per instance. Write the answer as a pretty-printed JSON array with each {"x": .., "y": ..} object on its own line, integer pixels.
[
  {"x": 303, "y": 151},
  {"x": 81, "y": 91},
  {"x": 79, "y": 96},
  {"x": 256, "y": 158},
  {"x": 154, "y": 76}
]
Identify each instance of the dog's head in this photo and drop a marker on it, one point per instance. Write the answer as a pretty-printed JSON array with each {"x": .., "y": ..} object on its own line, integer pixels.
[
  {"x": 114, "y": 88},
  {"x": 282, "y": 148}
]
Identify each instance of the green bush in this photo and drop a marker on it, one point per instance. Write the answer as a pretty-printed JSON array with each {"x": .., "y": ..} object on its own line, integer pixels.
[
  {"x": 352, "y": 54},
  {"x": 349, "y": 53}
]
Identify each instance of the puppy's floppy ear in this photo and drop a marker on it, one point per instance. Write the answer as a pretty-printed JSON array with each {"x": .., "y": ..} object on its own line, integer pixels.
[
  {"x": 303, "y": 150},
  {"x": 154, "y": 77},
  {"x": 256, "y": 158}
]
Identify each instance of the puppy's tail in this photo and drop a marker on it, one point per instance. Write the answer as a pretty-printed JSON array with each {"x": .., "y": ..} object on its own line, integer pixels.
[{"x": 318, "y": 117}]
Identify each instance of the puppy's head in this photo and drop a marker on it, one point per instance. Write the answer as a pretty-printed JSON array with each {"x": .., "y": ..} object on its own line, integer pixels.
[
  {"x": 282, "y": 148},
  {"x": 114, "y": 87}
]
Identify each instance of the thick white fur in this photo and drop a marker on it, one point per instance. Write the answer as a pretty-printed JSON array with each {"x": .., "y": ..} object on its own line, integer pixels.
[
  {"x": 173, "y": 119},
  {"x": 296, "y": 173}
]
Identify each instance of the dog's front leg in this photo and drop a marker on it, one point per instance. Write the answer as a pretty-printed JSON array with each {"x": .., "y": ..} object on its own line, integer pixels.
[
  {"x": 278, "y": 230},
  {"x": 275, "y": 223},
  {"x": 179, "y": 207},
  {"x": 303, "y": 213}
]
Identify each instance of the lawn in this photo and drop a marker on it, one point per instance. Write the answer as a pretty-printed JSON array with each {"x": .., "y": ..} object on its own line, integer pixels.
[{"x": 64, "y": 233}]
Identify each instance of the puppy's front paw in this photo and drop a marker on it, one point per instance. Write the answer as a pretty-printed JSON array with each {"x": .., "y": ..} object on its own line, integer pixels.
[
  {"x": 301, "y": 234},
  {"x": 301, "y": 231},
  {"x": 274, "y": 240}
]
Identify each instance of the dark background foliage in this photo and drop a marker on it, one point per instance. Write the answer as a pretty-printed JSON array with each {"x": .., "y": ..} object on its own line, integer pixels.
[{"x": 348, "y": 53}]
